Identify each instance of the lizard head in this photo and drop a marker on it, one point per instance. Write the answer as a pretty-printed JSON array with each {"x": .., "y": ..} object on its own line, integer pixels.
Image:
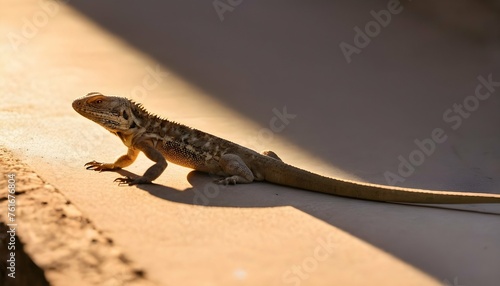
[{"x": 111, "y": 112}]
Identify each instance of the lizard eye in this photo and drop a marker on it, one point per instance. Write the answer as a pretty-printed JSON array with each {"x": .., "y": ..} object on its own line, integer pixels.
[{"x": 98, "y": 101}]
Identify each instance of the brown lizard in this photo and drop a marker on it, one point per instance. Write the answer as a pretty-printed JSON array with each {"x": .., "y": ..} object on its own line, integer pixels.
[{"x": 162, "y": 140}]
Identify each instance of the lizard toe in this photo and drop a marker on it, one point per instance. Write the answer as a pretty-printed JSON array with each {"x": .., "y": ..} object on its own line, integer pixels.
[
  {"x": 130, "y": 181},
  {"x": 123, "y": 181},
  {"x": 226, "y": 181},
  {"x": 94, "y": 165},
  {"x": 219, "y": 181}
]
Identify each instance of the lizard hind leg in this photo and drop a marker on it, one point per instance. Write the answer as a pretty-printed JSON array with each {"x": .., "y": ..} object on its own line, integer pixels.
[
  {"x": 271, "y": 154},
  {"x": 237, "y": 171}
]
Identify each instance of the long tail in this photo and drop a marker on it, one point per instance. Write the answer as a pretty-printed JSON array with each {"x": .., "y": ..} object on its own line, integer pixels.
[{"x": 284, "y": 174}]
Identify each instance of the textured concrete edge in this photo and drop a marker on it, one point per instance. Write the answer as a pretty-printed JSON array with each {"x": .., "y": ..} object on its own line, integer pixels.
[{"x": 57, "y": 237}]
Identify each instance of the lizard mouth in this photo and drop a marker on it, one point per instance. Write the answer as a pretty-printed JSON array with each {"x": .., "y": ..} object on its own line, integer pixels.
[
  {"x": 110, "y": 123},
  {"x": 78, "y": 104}
]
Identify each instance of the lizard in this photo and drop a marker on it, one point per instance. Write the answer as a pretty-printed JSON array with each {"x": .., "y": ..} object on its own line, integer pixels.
[{"x": 163, "y": 141}]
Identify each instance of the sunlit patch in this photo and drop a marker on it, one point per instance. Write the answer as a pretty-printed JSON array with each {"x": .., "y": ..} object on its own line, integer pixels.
[{"x": 240, "y": 274}]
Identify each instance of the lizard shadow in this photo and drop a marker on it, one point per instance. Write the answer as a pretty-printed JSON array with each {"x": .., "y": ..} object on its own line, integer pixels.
[
  {"x": 205, "y": 192},
  {"x": 408, "y": 224}
]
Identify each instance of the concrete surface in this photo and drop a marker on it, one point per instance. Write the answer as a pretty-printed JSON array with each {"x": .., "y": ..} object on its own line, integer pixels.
[
  {"x": 225, "y": 77},
  {"x": 67, "y": 247}
]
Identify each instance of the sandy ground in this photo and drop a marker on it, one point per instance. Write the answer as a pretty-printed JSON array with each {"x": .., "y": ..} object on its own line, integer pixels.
[
  {"x": 64, "y": 243},
  {"x": 231, "y": 78}
]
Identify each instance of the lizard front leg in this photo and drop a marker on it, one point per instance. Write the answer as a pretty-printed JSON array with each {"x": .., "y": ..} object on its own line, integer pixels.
[
  {"x": 237, "y": 170},
  {"x": 122, "y": 162},
  {"x": 153, "y": 172}
]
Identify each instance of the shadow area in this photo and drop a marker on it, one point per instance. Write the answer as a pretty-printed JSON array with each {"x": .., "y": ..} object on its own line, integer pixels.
[
  {"x": 205, "y": 192},
  {"x": 28, "y": 273},
  {"x": 260, "y": 57},
  {"x": 286, "y": 53},
  {"x": 401, "y": 230}
]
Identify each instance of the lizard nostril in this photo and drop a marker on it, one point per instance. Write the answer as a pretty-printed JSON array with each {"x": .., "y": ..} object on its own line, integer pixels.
[{"x": 76, "y": 104}]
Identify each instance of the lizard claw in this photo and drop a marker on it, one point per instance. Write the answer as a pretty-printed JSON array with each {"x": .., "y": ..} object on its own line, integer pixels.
[
  {"x": 94, "y": 165},
  {"x": 124, "y": 181},
  {"x": 219, "y": 181},
  {"x": 226, "y": 181},
  {"x": 98, "y": 166},
  {"x": 129, "y": 181}
]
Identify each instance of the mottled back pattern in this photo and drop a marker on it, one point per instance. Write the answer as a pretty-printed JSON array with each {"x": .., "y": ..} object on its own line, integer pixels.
[{"x": 180, "y": 144}]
